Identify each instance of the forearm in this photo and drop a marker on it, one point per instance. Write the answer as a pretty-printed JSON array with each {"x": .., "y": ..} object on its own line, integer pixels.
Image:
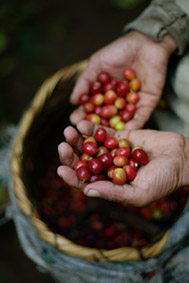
[{"x": 164, "y": 17}]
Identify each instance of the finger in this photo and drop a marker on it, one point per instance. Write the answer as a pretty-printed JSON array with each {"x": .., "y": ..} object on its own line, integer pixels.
[
  {"x": 77, "y": 115},
  {"x": 125, "y": 194},
  {"x": 151, "y": 140},
  {"x": 140, "y": 118},
  {"x": 87, "y": 128},
  {"x": 67, "y": 155},
  {"x": 73, "y": 138},
  {"x": 83, "y": 82},
  {"x": 145, "y": 107},
  {"x": 70, "y": 177}
]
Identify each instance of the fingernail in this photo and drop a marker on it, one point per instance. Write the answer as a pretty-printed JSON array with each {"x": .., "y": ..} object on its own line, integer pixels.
[{"x": 93, "y": 193}]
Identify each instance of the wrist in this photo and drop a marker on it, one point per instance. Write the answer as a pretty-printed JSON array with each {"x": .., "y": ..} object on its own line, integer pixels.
[
  {"x": 169, "y": 44},
  {"x": 186, "y": 164}
]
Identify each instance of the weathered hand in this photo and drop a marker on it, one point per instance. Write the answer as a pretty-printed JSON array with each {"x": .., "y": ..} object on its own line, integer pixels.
[
  {"x": 148, "y": 57},
  {"x": 166, "y": 171}
]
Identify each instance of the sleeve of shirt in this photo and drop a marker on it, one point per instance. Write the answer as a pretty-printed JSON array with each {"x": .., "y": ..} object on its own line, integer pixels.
[{"x": 163, "y": 17}]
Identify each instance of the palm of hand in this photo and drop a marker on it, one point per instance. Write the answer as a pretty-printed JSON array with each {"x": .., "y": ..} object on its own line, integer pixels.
[
  {"x": 159, "y": 177},
  {"x": 148, "y": 58}
]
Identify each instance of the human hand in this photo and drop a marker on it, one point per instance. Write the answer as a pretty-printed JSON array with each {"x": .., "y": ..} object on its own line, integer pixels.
[
  {"x": 148, "y": 57},
  {"x": 167, "y": 170}
]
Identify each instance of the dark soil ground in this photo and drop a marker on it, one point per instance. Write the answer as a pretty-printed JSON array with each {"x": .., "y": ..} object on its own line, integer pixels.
[{"x": 36, "y": 39}]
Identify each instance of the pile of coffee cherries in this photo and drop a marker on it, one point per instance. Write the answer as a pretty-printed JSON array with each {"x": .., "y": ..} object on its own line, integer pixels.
[
  {"x": 106, "y": 158},
  {"x": 110, "y": 102}
]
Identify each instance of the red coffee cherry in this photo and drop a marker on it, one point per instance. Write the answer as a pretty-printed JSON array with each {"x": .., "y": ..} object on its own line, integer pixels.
[
  {"x": 129, "y": 73},
  {"x": 95, "y": 166},
  {"x": 83, "y": 174},
  {"x": 103, "y": 77},
  {"x": 120, "y": 161},
  {"x": 122, "y": 89},
  {"x": 108, "y": 111},
  {"x": 79, "y": 164},
  {"x": 123, "y": 151},
  {"x": 95, "y": 87},
  {"x": 133, "y": 163},
  {"x": 130, "y": 172},
  {"x": 140, "y": 156},
  {"x": 95, "y": 178},
  {"x": 111, "y": 143},
  {"x": 100, "y": 135},
  {"x": 90, "y": 148},
  {"x": 106, "y": 160},
  {"x": 84, "y": 98}
]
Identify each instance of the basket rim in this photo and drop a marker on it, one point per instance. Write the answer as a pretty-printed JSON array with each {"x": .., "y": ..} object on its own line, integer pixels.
[{"x": 62, "y": 243}]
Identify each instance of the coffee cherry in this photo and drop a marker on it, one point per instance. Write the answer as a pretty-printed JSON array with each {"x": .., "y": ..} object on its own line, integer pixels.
[
  {"x": 111, "y": 143},
  {"x": 95, "y": 119},
  {"x": 114, "y": 82},
  {"x": 90, "y": 139},
  {"x": 103, "y": 77},
  {"x": 110, "y": 97},
  {"x": 131, "y": 108},
  {"x": 114, "y": 120},
  {"x": 83, "y": 174},
  {"x": 132, "y": 97},
  {"x": 95, "y": 178},
  {"x": 88, "y": 107},
  {"x": 95, "y": 166},
  {"x": 120, "y": 161},
  {"x": 104, "y": 122},
  {"x": 135, "y": 84},
  {"x": 130, "y": 172},
  {"x": 120, "y": 126},
  {"x": 102, "y": 150},
  {"x": 133, "y": 163},
  {"x": 108, "y": 111},
  {"x": 110, "y": 171},
  {"x": 95, "y": 87},
  {"x": 122, "y": 89},
  {"x": 106, "y": 160},
  {"x": 79, "y": 164},
  {"x": 84, "y": 98},
  {"x": 129, "y": 73},
  {"x": 123, "y": 151},
  {"x": 108, "y": 86},
  {"x": 100, "y": 135},
  {"x": 97, "y": 99},
  {"x": 120, "y": 103},
  {"x": 113, "y": 152},
  {"x": 97, "y": 110},
  {"x": 126, "y": 116},
  {"x": 123, "y": 143},
  {"x": 90, "y": 148},
  {"x": 85, "y": 157},
  {"x": 119, "y": 176},
  {"x": 140, "y": 156}
]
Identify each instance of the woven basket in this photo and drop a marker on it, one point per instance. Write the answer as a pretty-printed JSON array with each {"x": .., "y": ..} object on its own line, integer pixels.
[{"x": 51, "y": 107}]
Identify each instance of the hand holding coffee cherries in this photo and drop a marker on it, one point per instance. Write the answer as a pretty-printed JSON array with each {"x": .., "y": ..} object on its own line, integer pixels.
[
  {"x": 147, "y": 57},
  {"x": 165, "y": 172}
]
